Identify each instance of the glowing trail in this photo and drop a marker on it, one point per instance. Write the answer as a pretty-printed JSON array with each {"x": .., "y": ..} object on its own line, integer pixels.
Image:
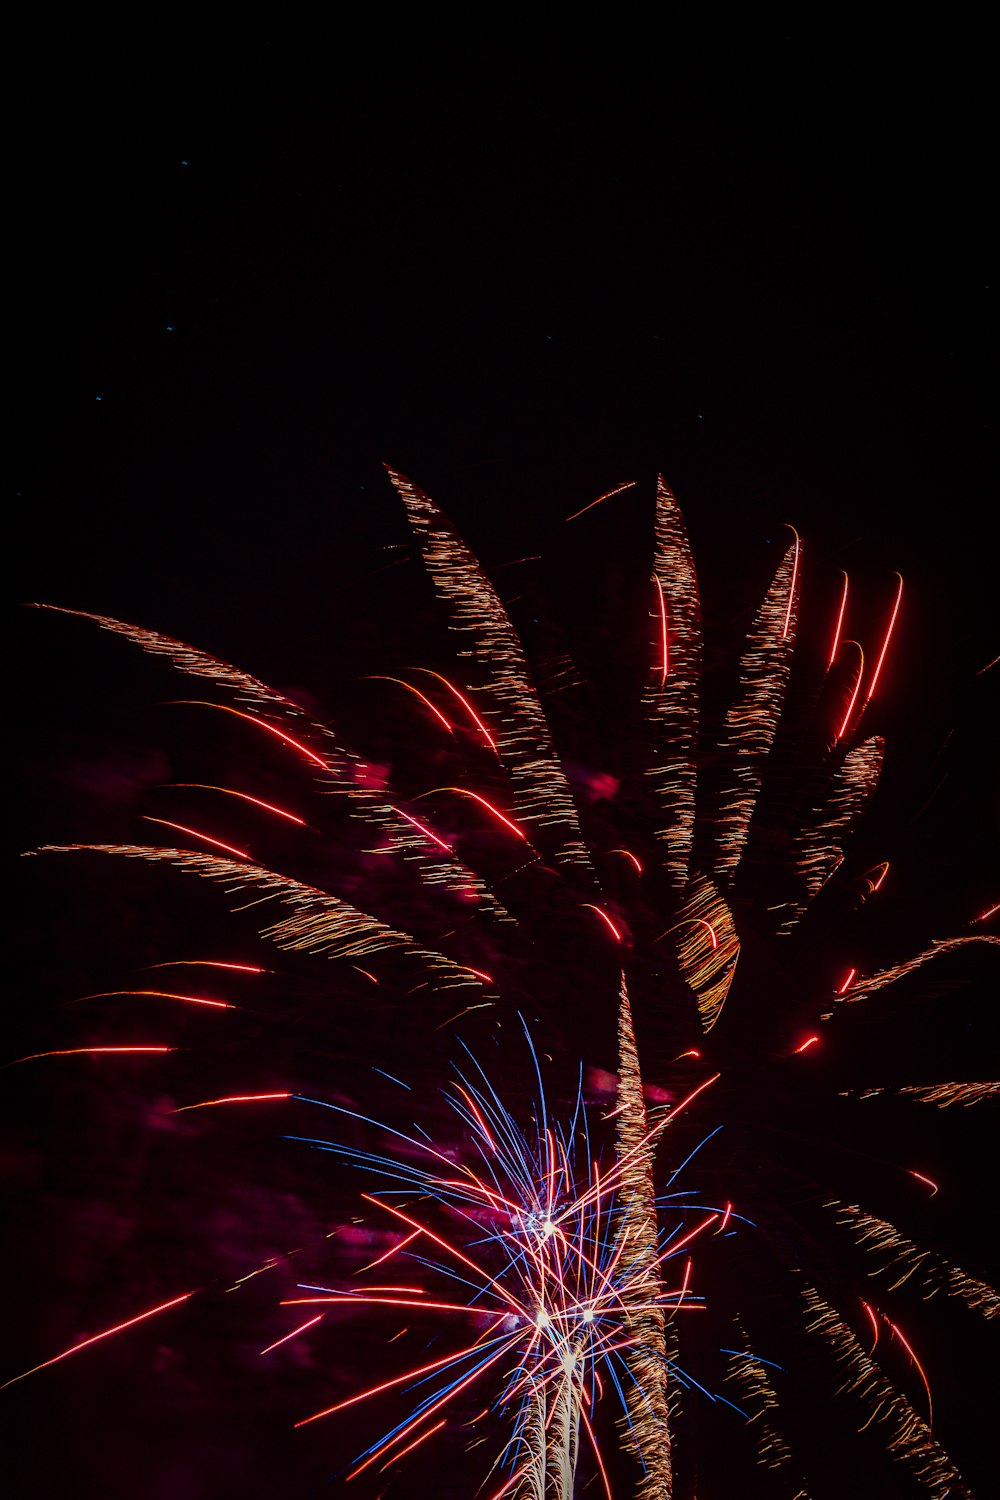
[
  {"x": 311, "y": 1323},
  {"x": 88, "y": 1051},
  {"x": 835, "y": 643},
  {"x": 885, "y": 640},
  {"x": 96, "y": 1337},
  {"x": 196, "y": 834}
]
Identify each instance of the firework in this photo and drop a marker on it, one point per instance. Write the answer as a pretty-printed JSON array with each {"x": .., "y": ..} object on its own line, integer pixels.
[{"x": 702, "y": 933}]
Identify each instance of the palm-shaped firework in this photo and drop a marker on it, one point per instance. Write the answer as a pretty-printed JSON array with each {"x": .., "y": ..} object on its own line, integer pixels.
[{"x": 691, "y": 950}]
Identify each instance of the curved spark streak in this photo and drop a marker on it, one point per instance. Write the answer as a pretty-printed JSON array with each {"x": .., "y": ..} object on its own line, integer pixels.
[
  {"x": 885, "y": 640},
  {"x": 207, "y": 963},
  {"x": 604, "y": 918},
  {"x": 380, "y": 677},
  {"x": 244, "y": 797},
  {"x": 280, "y": 734},
  {"x": 161, "y": 995},
  {"x": 928, "y": 1180},
  {"x": 835, "y": 644},
  {"x": 79, "y": 1051},
  {"x": 463, "y": 700},
  {"x": 197, "y": 834},
  {"x": 231, "y": 1099},
  {"x": 857, "y": 687},
  {"x": 791, "y": 587},
  {"x": 475, "y": 797},
  {"x": 664, "y": 656},
  {"x": 919, "y": 1367}
]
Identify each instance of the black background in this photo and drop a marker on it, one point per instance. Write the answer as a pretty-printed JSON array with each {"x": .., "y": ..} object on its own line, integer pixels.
[{"x": 256, "y": 257}]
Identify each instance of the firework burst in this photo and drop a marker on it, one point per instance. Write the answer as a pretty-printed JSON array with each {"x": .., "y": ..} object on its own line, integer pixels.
[{"x": 685, "y": 923}]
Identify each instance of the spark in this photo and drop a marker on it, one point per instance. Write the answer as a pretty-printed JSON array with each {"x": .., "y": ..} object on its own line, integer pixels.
[
  {"x": 810, "y": 1041},
  {"x": 664, "y": 656},
  {"x": 96, "y": 1337},
  {"x": 604, "y": 918},
  {"x": 280, "y": 734},
  {"x": 885, "y": 640},
  {"x": 791, "y": 587},
  {"x": 919, "y": 1367},
  {"x": 928, "y": 1180},
  {"x": 422, "y": 828},
  {"x": 493, "y": 811},
  {"x": 463, "y": 700},
  {"x": 848, "y": 981},
  {"x": 849, "y": 711},
  {"x": 195, "y": 834},
  {"x": 628, "y": 485},
  {"x": 87, "y": 1051},
  {"x": 417, "y": 694},
  {"x": 232, "y": 1099},
  {"x": 229, "y": 791},
  {"x": 840, "y": 621},
  {"x": 162, "y": 995},
  {"x": 311, "y": 1323},
  {"x": 630, "y": 856},
  {"x": 208, "y": 963}
]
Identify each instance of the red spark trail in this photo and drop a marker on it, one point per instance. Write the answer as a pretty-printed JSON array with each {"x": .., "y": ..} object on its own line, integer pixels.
[
  {"x": 417, "y": 694},
  {"x": 857, "y": 687},
  {"x": 664, "y": 655},
  {"x": 208, "y": 963},
  {"x": 618, "y": 489},
  {"x": 77, "y": 1051},
  {"x": 885, "y": 640},
  {"x": 231, "y": 1099},
  {"x": 837, "y": 628},
  {"x": 604, "y": 918},
  {"x": 387, "y": 1385},
  {"x": 923, "y": 1375},
  {"x": 464, "y": 702},
  {"x": 415, "y": 1444},
  {"x": 495, "y": 811},
  {"x": 301, "y": 1329},
  {"x": 194, "y": 833},
  {"x": 96, "y": 1337},
  {"x": 243, "y": 796},
  {"x": 162, "y": 995},
  {"x": 425, "y": 831},
  {"x": 791, "y": 586},
  {"x": 261, "y": 724},
  {"x": 928, "y": 1180}
]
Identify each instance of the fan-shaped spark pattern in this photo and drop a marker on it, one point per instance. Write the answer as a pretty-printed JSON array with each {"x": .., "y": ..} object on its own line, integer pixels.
[
  {"x": 903, "y": 1260},
  {"x": 907, "y": 1436},
  {"x": 752, "y": 721},
  {"x": 670, "y": 700},
  {"x": 542, "y": 797}
]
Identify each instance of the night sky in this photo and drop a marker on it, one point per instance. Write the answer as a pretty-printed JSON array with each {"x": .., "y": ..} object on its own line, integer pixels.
[{"x": 254, "y": 262}]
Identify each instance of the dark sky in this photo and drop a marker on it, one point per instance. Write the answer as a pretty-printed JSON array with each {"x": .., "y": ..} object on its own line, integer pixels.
[{"x": 254, "y": 261}]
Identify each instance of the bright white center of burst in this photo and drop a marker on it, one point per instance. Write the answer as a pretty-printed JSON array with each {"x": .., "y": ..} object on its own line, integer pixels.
[
  {"x": 538, "y": 1223},
  {"x": 543, "y": 1320},
  {"x": 568, "y": 1363},
  {"x": 588, "y": 1315}
]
